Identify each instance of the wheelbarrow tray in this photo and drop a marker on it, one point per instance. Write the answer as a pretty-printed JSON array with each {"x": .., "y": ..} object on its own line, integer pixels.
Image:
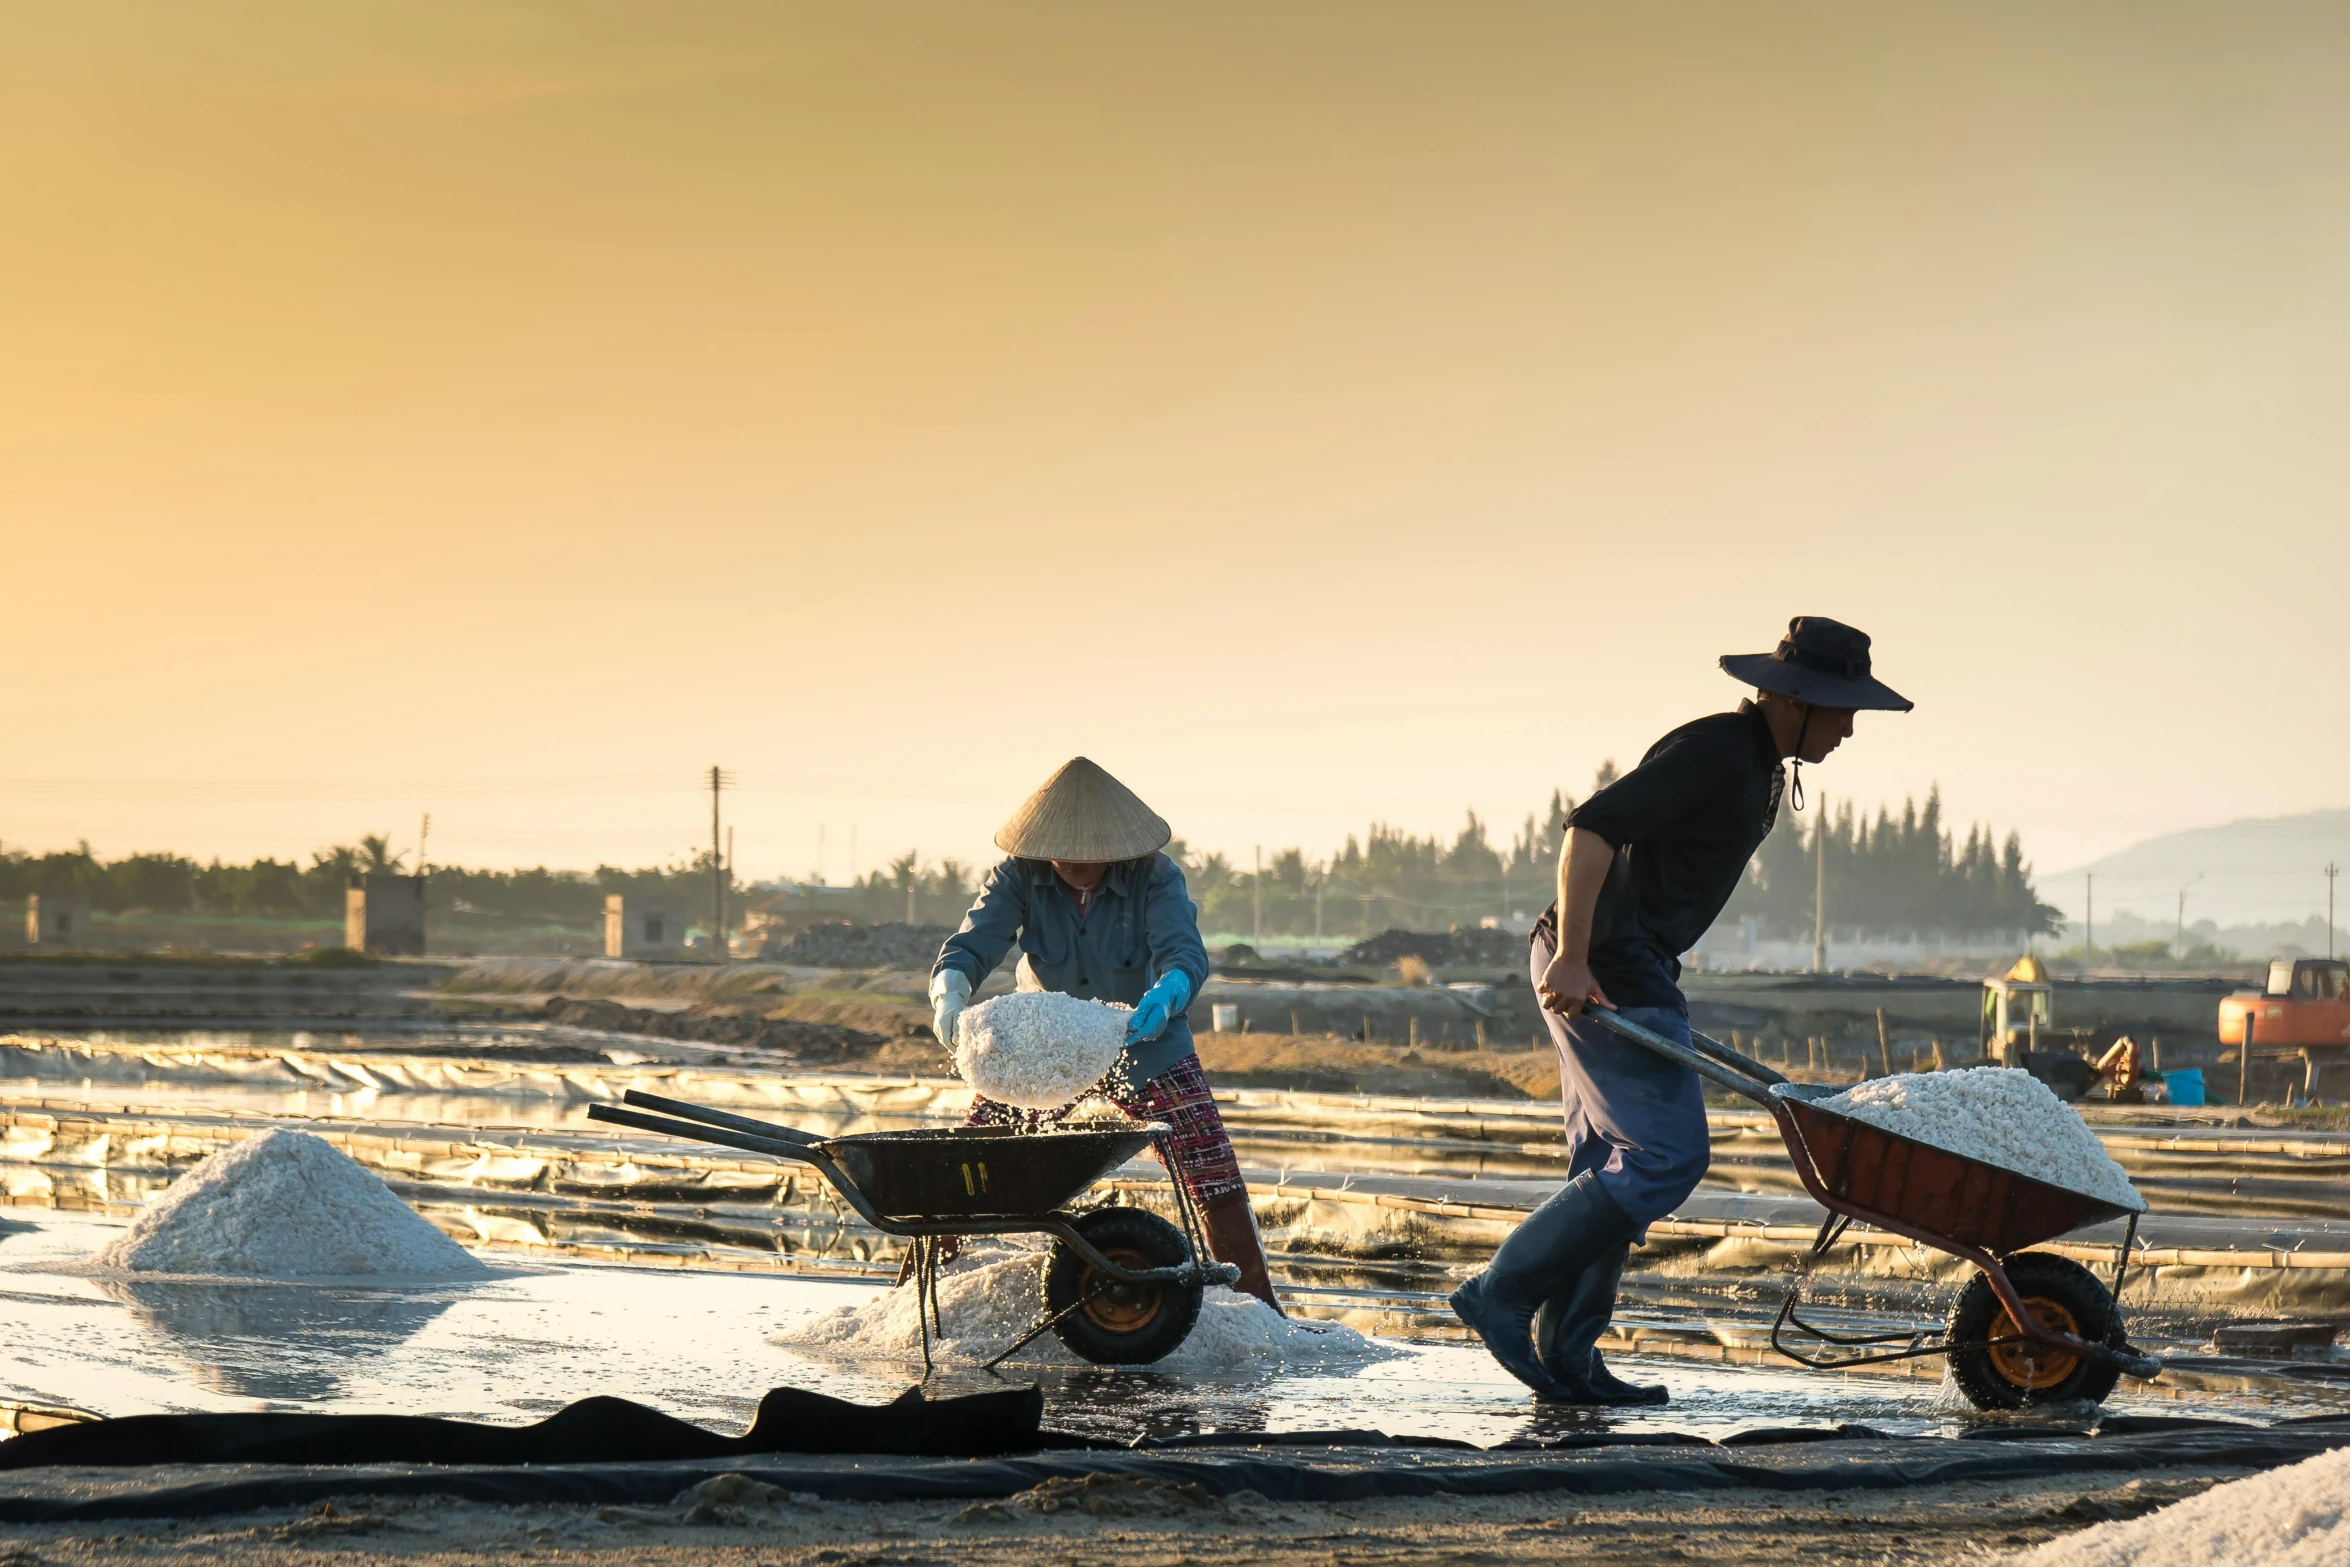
[
  {"x": 1925, "y": 1192},
  {"x": 976, "y": 1172}
]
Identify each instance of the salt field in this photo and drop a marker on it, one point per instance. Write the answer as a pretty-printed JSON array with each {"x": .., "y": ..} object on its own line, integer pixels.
[
  {"x": 692, "y": 1278},
  {"x": 529, "y": 1337}
]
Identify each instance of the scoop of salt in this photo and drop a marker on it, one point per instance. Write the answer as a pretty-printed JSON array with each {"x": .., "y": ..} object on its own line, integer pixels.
[{"x": 1038, "y": 1049}]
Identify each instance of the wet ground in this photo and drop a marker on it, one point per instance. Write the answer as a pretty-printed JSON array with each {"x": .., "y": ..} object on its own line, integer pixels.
[
  {"x": 530, "y": 1339},
  {"x": 1140, "y": 1524},
  {"x": 694, "y": 1341}
]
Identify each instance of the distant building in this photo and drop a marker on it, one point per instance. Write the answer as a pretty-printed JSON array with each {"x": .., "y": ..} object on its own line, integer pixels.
[
  {"x": 383, "y": 913},
  {"x": 641, "y": 930},
  {"x": 56, "y": 920}
]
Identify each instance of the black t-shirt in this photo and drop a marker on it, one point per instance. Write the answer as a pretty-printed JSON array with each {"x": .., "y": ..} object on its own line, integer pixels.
[{"x": 1684, "y": 824}]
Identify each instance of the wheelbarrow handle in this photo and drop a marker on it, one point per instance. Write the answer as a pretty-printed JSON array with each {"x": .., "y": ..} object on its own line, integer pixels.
[
  {"x": 776, "y": 1146},
  {"x": 1743, "y": 1079},
  {"x": 708, "y": 1117},
  {"x": 1728, "y": 1057}
]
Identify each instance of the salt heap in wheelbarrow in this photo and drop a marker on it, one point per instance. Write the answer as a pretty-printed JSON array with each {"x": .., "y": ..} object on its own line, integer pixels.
[{"x": 1998, "y": 1116}]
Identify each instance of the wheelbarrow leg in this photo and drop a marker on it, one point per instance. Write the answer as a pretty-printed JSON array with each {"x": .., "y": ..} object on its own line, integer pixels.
[{"x": 926, "y": 1295}]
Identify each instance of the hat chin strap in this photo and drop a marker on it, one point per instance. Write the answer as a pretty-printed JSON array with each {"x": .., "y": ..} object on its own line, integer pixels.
[{"x": 1802, "y": 733}]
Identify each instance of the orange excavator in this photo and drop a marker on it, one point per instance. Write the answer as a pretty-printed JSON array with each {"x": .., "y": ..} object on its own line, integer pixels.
[
  {"x": 2307, "y": 1002},
  {"x": 2304, "y": 1010}
]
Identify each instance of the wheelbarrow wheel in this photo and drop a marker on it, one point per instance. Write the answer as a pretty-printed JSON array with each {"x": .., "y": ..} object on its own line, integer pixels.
[
  {"x": 1114, "y": 1324},
  {"x": 2061, "y": 1294}
]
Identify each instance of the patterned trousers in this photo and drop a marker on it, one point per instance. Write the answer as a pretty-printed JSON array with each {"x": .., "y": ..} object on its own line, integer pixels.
[{"x": 1179, "y": 1096}]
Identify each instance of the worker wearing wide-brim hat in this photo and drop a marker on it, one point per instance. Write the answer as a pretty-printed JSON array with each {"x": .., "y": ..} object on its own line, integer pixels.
[
  {"x": 1647, "y": 865},
  {"x": 1098, "y": 911}
]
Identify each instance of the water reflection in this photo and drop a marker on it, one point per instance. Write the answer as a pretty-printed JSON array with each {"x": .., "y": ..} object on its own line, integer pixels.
[{"x": 282, "y": 1343}]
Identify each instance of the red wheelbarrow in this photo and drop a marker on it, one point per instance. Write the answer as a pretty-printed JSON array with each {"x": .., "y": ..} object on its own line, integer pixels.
[{"x": 2030, "y": 1327}]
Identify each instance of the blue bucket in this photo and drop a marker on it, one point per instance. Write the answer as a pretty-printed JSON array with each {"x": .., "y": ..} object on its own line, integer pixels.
[{"x": 2186, "y": 1088}]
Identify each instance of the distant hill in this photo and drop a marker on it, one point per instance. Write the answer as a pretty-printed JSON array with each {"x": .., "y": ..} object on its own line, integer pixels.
[{"x": 2264, "y": 869}]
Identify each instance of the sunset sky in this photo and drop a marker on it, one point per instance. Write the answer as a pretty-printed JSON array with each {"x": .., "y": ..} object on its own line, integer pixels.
[{"x": 1313, "y": 413}]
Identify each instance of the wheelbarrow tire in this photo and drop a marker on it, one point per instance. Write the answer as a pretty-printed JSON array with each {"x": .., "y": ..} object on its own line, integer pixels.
[
  {"x": 2013, "y": 1376},
  {"x": 1114, "y": 1324}
]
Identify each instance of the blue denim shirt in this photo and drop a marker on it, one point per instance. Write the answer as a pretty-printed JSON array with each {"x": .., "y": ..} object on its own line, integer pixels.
[{"x": 1141, "y": 924}]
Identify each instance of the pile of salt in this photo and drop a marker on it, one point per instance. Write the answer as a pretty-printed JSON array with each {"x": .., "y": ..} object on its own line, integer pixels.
[
  {"x": 284, "y": 1205},
  {"x": 987, "y": 1308}
]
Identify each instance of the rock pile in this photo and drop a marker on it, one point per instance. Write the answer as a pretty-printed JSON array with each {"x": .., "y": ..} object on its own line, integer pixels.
[
  {"x": 846, "y": 945},
  {"x": 1462, "y": 946},
  {"x": 785, "y": 1036}
]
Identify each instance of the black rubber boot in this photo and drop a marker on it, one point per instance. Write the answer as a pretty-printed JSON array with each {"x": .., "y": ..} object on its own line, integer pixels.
[
  {"x": 1566, "y": 1336},
  {"x": 1576, "y": 1227}
]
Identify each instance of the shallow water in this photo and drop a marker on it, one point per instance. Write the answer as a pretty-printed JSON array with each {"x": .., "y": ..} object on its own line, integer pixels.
[
  {"x": 527, "y": 1341},
  {"x": 696, "y": 1343}
]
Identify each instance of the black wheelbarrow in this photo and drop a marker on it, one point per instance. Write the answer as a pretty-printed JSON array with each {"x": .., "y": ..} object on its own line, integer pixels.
[
  {"x": 2030, "y": 1327},
  {"x": 1122, "y": 1287}
]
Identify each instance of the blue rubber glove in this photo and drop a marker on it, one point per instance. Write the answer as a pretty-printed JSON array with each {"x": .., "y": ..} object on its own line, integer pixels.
[
  {"x": 1159, "y": 1005},
  {"x": 950, "y": 993}
]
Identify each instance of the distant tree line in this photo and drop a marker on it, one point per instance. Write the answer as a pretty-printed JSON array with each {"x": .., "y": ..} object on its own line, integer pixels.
[
  {"x": 1900, "y": 876},
  {"x": 293, "y": 889}
]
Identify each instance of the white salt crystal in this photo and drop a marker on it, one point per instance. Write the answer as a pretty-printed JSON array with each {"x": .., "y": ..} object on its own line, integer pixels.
[
  {"x": 284, "y": 1205},
  {"x": 1039, "y": 1049},
  {"x": 2296, "y": 1516},
  {"x": 1997, "y": 1115},
  {"x": 985, "y": 1308}
]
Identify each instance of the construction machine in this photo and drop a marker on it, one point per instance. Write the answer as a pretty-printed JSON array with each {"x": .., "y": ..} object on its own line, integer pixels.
[
  {"x": 2019, "y": 1030},
  {"x": 2303, "y": 1011}
]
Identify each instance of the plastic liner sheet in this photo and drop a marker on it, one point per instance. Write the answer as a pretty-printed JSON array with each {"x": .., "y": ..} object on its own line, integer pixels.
[
  {"x": 1279, "y": 1473},
  {"x": 593, "y": 1430}
]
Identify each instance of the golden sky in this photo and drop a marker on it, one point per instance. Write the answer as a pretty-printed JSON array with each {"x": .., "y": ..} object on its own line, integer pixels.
[{"x": 1313, "y": 412}]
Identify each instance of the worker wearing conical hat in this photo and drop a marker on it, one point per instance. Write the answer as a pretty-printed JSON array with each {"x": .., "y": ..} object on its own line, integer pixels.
[
  {"x": 1647, "y": 865},
  {"x": 1098, "y": 911}
]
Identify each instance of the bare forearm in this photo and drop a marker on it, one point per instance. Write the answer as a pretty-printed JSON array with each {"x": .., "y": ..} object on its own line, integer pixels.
[{"x": 1584, "y": 860}]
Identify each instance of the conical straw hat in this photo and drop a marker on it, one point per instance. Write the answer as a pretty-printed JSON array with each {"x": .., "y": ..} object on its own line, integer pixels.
[{"x": 1083, "y": 814}]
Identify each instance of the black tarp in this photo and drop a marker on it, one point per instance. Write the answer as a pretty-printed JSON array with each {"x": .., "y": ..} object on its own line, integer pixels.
[
  {"x": 592, "y": 1431},
  {"x": 1280, "y": 1473}
]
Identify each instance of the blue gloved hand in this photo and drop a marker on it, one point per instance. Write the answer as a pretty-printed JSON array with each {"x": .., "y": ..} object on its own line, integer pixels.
[
  {"x": 950, "y": 993},
  {"x": 1159, "y": 1005}
]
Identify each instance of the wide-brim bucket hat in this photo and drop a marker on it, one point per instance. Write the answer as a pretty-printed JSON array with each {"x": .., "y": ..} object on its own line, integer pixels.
[
  {"x": 1820, "y": 661},
  {"x": 1083, "y": 814}
]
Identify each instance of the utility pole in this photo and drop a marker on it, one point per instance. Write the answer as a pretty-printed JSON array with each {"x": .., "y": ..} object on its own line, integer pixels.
[
  {"x": 1819, "y": 889},
  {"x": 424, "y": 836},
  {"x": 2178, "y": 944},
  {"x": 717, "y": 870},
  {"x": 1322, "y": 885},
  {"x": 1256, "y": 888},
  {"x": 2332, "y": 870}
]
